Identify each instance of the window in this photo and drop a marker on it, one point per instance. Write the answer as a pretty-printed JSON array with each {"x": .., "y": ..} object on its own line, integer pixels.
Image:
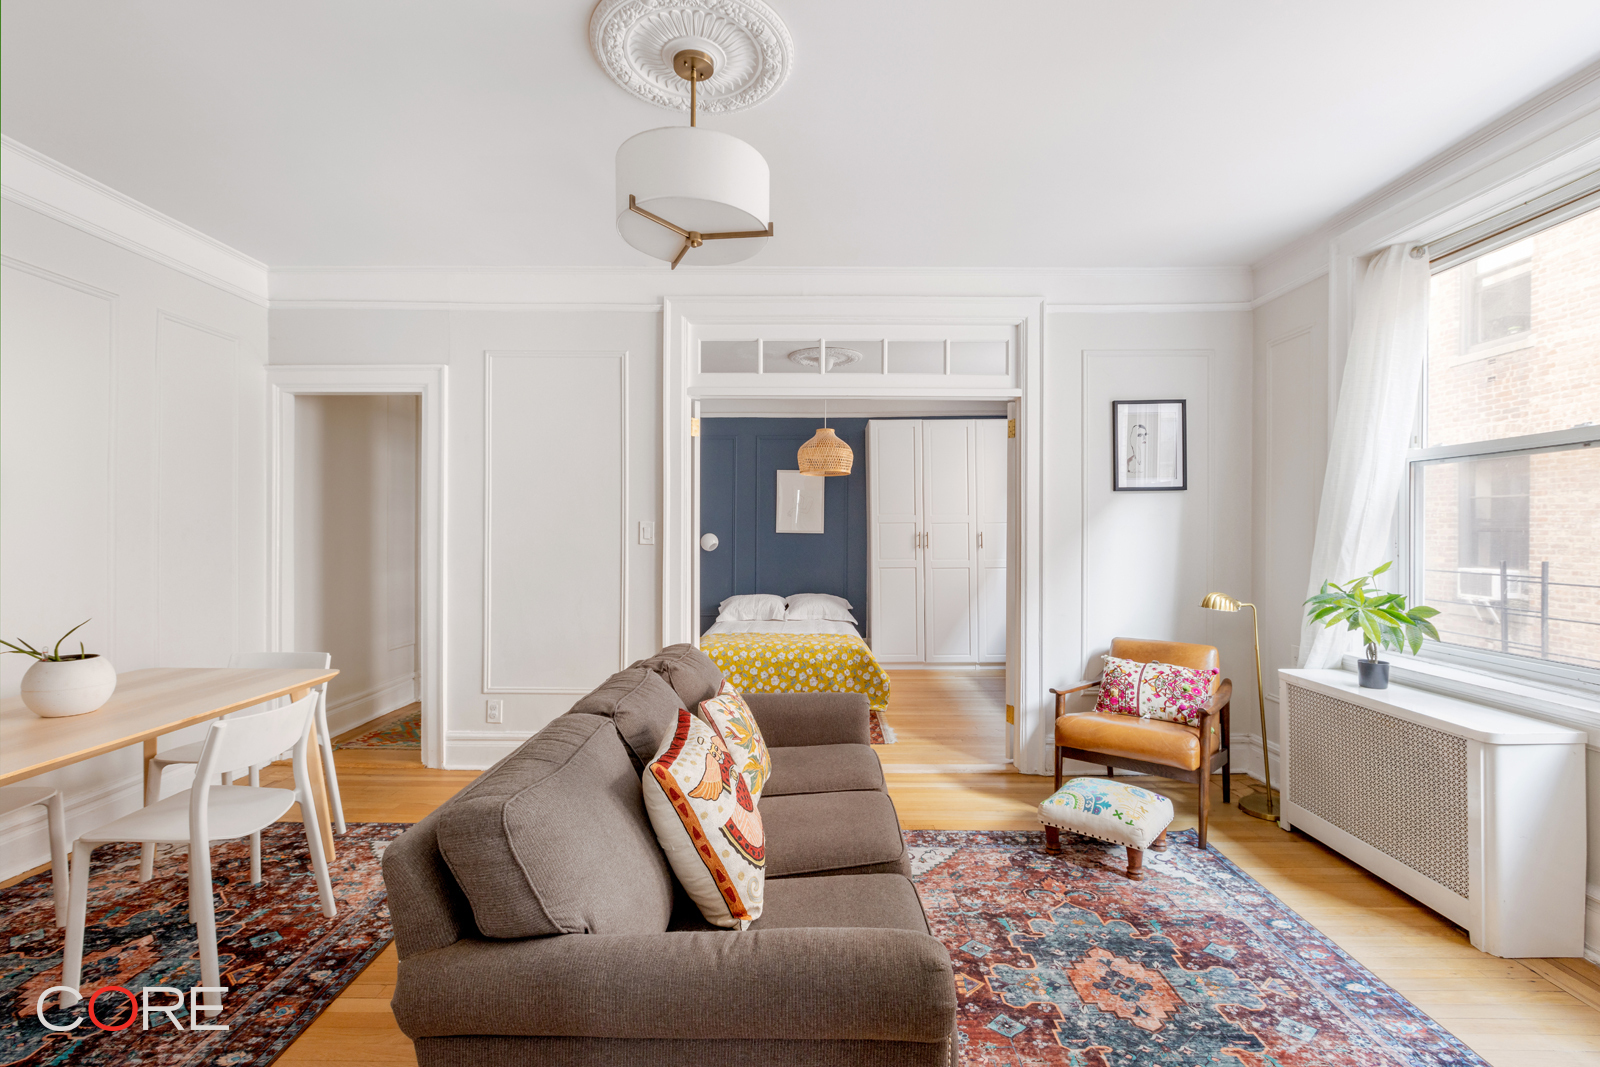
[{"x": 1505, "y": 482}]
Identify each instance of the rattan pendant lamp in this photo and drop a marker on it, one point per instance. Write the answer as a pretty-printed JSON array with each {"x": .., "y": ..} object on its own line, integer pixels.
[{"x": 825, "y": 455}]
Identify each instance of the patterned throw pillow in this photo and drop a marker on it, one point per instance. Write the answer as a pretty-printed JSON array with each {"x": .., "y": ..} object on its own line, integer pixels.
[
  {"x": 705, "y": 818},
  {"x": 735, "y": 723},
  {"x": 1155, "y": 690}
]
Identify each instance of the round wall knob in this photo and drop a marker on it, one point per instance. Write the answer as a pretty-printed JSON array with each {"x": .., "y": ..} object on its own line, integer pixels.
[{"x": 709, "y": 542}]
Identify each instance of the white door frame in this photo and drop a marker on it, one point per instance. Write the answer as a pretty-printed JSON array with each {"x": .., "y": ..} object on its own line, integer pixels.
[
  {"x": 429, "y": 384},
  {"x": 1034, "y": 721}
]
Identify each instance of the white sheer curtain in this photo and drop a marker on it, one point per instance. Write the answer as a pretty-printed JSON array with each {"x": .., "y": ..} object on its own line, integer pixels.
[{"x": 1371, "y": 432}]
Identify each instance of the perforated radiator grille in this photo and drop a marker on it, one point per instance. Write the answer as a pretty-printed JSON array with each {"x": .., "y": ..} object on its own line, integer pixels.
[{"x": 1400, "y": 787}]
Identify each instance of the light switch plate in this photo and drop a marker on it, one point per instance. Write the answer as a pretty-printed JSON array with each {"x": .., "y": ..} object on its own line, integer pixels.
[
  {"x": 497, "y": 711},
  {"x": 647, "y": 533}
]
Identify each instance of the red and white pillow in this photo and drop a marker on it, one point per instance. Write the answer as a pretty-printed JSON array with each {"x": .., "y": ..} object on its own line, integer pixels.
[
  {"x": 1155, "y": 690},
  {"x": 704, "y": 815},
  {"x": 735, "y": 723}
]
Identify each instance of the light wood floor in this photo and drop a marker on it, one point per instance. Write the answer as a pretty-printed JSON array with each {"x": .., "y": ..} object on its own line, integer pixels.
[{"x": 1515, "y": 1013}]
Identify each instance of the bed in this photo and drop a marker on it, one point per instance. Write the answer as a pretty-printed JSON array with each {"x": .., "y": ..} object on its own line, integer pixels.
[{"x": 812, "y": 656}]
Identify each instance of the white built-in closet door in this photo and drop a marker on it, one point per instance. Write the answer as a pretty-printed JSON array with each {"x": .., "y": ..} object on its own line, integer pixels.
[
  {"x": 950, "y": 508},
  {"x": 894, "y": 480},
  {"x": 992, "y": 449}
]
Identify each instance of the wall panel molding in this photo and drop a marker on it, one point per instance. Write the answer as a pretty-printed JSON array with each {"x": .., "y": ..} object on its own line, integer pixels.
[{"x": 573, "y": 516}]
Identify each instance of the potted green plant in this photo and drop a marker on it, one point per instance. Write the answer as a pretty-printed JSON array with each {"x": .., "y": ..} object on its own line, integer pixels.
[
  {"x": 58, "y": 685},
  {"x": 1383, "y": 619}
]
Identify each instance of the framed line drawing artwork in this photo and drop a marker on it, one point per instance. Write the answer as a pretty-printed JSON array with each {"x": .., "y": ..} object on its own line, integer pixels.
[
  {"x": 1149, "y": 446},
  {"x": 800, "y": 500}
]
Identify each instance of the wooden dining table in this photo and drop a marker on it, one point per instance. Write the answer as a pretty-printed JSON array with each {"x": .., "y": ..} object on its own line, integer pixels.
[{"x": 147, "y": 704}]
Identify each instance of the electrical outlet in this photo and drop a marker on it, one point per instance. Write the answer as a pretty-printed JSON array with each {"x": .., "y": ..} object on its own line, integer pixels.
[
  {"x": 497, "y": 711},
  {"x": 647, "y": 533}
]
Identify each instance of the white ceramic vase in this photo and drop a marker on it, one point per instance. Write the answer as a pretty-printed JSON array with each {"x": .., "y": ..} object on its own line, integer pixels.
[{"x": 74, "y": 686}]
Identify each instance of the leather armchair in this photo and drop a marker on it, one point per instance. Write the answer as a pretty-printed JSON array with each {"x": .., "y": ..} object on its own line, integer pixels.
[{"x": 1150, "y": 746}]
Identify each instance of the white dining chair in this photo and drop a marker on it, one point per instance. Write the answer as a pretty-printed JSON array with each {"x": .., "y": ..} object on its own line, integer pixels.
[
  {"x": 190, "y": 753},
  {"x": 209, "y": 812},
  {"x": 15, "y": 798}
]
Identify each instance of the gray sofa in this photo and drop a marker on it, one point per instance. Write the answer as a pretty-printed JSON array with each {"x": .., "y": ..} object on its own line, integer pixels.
[{"x": 538, "y": 922}]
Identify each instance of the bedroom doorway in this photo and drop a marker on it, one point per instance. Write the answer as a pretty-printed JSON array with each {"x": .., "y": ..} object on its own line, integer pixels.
[{"x": 833, "y": 571}]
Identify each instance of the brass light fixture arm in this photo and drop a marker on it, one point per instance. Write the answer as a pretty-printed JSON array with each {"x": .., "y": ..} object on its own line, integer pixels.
[{"x": 694, "y": 67}]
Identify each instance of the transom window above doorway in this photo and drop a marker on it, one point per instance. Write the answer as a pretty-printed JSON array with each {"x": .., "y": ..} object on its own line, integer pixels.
[{"x": 933, "y": 355}]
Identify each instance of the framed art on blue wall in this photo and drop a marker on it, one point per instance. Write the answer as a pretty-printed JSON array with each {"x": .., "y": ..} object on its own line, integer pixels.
[
  {"x": 1149, "y": 446},
  {"x": 800, "y": 502}
]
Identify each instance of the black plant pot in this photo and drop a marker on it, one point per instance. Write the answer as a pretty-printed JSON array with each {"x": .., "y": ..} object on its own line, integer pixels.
[{"x": 1374, "y": 674}]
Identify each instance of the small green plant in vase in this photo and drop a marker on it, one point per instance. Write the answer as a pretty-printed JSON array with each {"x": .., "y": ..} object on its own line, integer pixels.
[
  {"x": 56, "y": 685},
  {"x": 1383, "y": 618}
]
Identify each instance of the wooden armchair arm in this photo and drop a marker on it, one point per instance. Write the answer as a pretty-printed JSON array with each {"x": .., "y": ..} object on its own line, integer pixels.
[
  {"x": 1062, "y": 694},
  {"x": 1222, "y": 696}
]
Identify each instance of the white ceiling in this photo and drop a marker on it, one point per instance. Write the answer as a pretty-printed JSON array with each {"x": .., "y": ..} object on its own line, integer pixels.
[{"x": 1030, "y": 133}]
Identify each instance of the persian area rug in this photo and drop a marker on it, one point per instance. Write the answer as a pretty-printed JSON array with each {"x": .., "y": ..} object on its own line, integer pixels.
[
  {"x": 282, "y": 962},
  {"x": 1061, "y": 960},
  {"x": 404, "y": 731},
  {"x": 882, "y": 732}
]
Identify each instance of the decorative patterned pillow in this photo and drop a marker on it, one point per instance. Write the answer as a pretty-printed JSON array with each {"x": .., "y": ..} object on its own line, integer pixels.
[
  {"x": 1155, "y": 690},
  {"x": 735, "y": 723},
  {"x": 705, "y": 818}
]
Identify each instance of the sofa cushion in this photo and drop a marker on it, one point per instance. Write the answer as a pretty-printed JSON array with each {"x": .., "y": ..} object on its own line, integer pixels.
[
  {"x": 839, "y": 833},
  {"x": 824, "y": 769},
  {"x": 705, "y": 817},
  {"x": 868, "y": 901},
  {"x": 689, "y": 672},
  {"x": 643, "y": 707},
  {"x": 554, "y": 839}
]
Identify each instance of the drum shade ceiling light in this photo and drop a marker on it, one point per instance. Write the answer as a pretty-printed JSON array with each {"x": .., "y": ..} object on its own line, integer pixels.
[{"x": 682, "y": 188}]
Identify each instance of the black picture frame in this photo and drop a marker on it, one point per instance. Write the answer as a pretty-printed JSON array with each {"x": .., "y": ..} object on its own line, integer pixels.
[{"x": 1142, "y": 465}]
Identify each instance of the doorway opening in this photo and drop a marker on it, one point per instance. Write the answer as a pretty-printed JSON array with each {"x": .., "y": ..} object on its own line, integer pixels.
[
  {"x": 927, "y": 592},
  {"x": 356, "y": 551},
  {"x": 358, "y": 485}
]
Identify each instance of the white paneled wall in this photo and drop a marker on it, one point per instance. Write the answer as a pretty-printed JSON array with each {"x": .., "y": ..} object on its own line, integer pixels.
[
  {"x": 1137, "y": 564},
  {"x": 554, "y": 447},
  {"x": 555, "y": 621},
  {"x": 355, "y": 551},
  {"x": 132, "y": 476},
  {"x": 1291, "y": 424}
]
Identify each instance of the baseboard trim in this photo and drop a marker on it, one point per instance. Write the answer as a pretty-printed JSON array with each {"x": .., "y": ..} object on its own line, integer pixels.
[
  {"x": 475, "y": 750},
  {"x": 374, "y": 703},
  {"x": 25, "y": 834}
]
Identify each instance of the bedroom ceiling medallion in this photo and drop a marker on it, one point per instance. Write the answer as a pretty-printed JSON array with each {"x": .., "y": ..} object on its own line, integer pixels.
[{"x": 683, "y": 187}]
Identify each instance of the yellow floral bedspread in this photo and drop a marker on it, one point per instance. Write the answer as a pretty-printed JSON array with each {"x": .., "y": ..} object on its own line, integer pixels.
[{"x": 799, "y": 663}]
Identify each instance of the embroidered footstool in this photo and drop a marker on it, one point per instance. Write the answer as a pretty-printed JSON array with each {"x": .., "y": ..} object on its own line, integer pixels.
[{"x": 1110, "y": 811}]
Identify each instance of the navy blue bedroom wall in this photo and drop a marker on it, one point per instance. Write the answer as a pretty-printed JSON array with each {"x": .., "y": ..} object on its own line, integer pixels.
[{"x": 739, "y": 461}]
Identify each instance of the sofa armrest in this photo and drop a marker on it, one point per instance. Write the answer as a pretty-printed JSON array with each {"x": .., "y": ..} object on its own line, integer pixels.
[
  {"x": 797, "y": 720},
  {"x": 801, "y": 983}
]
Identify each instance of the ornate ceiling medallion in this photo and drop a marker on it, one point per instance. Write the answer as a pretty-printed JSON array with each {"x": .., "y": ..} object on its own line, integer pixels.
[
  {"x": 635, "y": 42},
  {"x": 837, "y": 357}
]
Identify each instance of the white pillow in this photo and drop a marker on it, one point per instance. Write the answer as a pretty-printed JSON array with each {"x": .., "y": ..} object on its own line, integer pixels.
[
  {"x": 805, "y": 607},
  {"x": 751, "y": 607}
]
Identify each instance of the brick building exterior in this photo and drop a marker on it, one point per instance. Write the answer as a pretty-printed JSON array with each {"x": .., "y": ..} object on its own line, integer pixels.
[{"x": 1514, "y": 348}]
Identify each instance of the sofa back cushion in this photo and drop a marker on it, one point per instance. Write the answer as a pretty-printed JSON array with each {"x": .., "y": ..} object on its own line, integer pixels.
[
  {"x": 641, "y": 705},
  {"x": 689, "y": 672},
  {"x": 554, "y": 839}
]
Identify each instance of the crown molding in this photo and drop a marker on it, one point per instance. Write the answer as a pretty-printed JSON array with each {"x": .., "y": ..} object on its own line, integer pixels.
[
  {"x": 644, "y": 288},
  {"x": 1552, "y": 138},
  {"x": 42, "y": 184}
]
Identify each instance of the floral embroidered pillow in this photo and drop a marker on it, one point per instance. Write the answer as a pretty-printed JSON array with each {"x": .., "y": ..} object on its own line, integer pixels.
[
  {"x": 1155, "y": 690},
  {"x": 705, "y": 818},
  {"x": 735, "y": 723}
]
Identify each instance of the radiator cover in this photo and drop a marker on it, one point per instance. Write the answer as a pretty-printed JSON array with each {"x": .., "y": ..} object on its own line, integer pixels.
[
  {"x": 1398, "y": 786},
  {"x": 1476, "y": 812}
]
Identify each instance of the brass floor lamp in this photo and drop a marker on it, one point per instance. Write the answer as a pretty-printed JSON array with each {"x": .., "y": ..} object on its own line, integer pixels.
[{"x": 1261, "y": 805}]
